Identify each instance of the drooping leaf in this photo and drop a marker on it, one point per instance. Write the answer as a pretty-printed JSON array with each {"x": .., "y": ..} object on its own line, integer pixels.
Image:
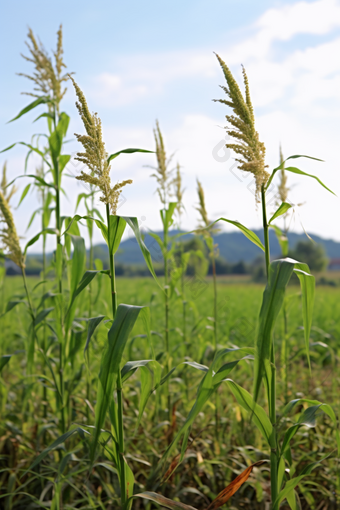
[
  {"x": 33, "y": 149},
  {"x": 233, "y": 487},
  {"x": 36, "y": 237},
  {"x": 28, "y": 108},
  {"x": 248, "y": 233},
  {"x": 60, "y": 440},
  {"x": 163, "y": 501},
  {"x": 133, "y": 224},
  {"x": 126, "y": 151},
  {"x": 259, "y": 415}
]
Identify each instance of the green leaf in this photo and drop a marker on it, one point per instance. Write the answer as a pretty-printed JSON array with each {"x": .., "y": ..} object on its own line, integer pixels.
[
  {"x": 117, "y": 227},
  {"x": 100, "y": 225},
  {"x": 284, "y": 207},
  {"x": 133, "y": 224},
  {"x": 28, "y": 108},
  {"x": 150, "y": 380},
  {"x": 63, "y": 124},
  {"x": 6, "y": 357},
  {"x": 36, "y": 237},
  {"x": 122, "y": 325},
  {"x": 126, "y": 151},
  {"x": 248, "y": 233},
  {"x": 24, "y": 193},
  {"x": 259, "y": 415},
  {"x": 12, "y": 304},
  {"x": 93, "y": 324},
  {"x": 44, "y": 115},
  {"x": 291, "y": 484},
  {"x": 63, "y": 160},
  {"x": 167, "y": 216},
  {"x": 307, "y": 282},
  {"x": 41, "y": 315},
  {"x": 55, "y": 142},
  {"x": 131, "y": 366},
  {"x": 4, "y": 360},
  {"x": 34, "y": 149},
  {"x": 280, "y": 272},
  {"x": 163, "y": 501},
  {"x": 296, "y": 171},
  {"x": 205, "y": 389},
  {"x": 283, "y": 240},
  {"x": 54, "y": 445},
  {"x": 78, "y": 262},
  {"x": 300, "y": 172}
]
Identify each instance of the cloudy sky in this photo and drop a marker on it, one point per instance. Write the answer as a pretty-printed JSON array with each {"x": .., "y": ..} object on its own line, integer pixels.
[{"x": 141, "y": 61}]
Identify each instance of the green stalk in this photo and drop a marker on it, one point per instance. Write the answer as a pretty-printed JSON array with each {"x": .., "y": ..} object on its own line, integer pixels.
[
  {"x": 88, "y": 385},
  {"x": 272, "y": 386},
  {"x": 119, "y": 378},
  {"x": 166, "y": 298},
  {"x": 60, "y": 284},
  {"x": 215, "y": 300}
]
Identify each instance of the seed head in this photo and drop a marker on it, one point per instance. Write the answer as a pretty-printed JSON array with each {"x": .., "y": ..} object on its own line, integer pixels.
[
  {"x": 95, "y": 156},
  {"x": 282, "y": 187},
  {"x": 178, "y": 191},
  {"x": 163, "y": 172},
  {"x": 47, "y": 77},
  {"x": 8, "y": 233},
  {"x": 242, "y": 129},
  {"x": 201, "y": 206},
  {"x": 3, "y": 185}
]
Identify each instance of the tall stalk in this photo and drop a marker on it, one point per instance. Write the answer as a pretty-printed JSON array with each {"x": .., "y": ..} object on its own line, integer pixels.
[
  {"x": 272, "y": 386},
  {"x": 120, "y": 406},
  {"x": 215, "y": 299}
]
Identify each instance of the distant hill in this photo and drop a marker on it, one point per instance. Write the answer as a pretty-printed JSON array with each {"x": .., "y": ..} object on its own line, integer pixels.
[{"x": 233, "y": 247}]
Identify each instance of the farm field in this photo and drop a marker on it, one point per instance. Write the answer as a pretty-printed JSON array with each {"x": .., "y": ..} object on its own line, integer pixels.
[{"x": 224, "y": 439}]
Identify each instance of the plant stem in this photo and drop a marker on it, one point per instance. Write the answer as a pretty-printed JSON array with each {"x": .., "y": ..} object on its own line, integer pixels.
[
  {"x": 56, "y": 178},
  {"x": 215, "y": 300},
  {"x": 272, "y": 386},
  {"x": 119, "y": 378},
  {"x": 166, "y": 297},
  {"x": 265, "y": 230}
]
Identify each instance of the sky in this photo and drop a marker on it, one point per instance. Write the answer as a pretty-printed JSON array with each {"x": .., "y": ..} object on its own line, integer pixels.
[{"x": 141, "y": 61}]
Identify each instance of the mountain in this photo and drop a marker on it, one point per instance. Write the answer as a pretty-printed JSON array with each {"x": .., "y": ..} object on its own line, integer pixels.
[{"x": 233, "y": 247}]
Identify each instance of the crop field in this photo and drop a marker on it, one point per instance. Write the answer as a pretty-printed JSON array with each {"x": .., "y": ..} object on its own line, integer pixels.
[
  {"x": 177, "y": 390},
  {"x": 224, "y": 441}
]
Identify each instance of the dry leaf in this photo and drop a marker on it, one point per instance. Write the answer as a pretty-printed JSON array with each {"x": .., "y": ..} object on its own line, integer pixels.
[{"x": 233, "y": 487}]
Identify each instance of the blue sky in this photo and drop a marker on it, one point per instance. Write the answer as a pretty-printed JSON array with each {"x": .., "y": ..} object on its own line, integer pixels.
[{"x": 138, "y": 61}]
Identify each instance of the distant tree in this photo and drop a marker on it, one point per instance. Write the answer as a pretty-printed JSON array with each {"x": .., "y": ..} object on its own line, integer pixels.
[
  {"x": 312, "y": 254},
  {"x": 239, "y": 268},
  {"x": 198, "y": 263}
]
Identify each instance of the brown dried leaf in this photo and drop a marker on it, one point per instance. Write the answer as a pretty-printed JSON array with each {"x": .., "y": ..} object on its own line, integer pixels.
[
  {"x": 233, "y": 487},
  {"x": 172, "y": 467},
  {"x": 165, "y": 502}
]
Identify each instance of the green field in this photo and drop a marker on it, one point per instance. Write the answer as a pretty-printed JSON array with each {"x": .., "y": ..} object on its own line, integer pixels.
[{"x": 223, "y": 440}]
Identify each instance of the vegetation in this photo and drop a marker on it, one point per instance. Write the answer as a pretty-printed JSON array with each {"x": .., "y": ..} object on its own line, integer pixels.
[{"x": 112, "y": 405}]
